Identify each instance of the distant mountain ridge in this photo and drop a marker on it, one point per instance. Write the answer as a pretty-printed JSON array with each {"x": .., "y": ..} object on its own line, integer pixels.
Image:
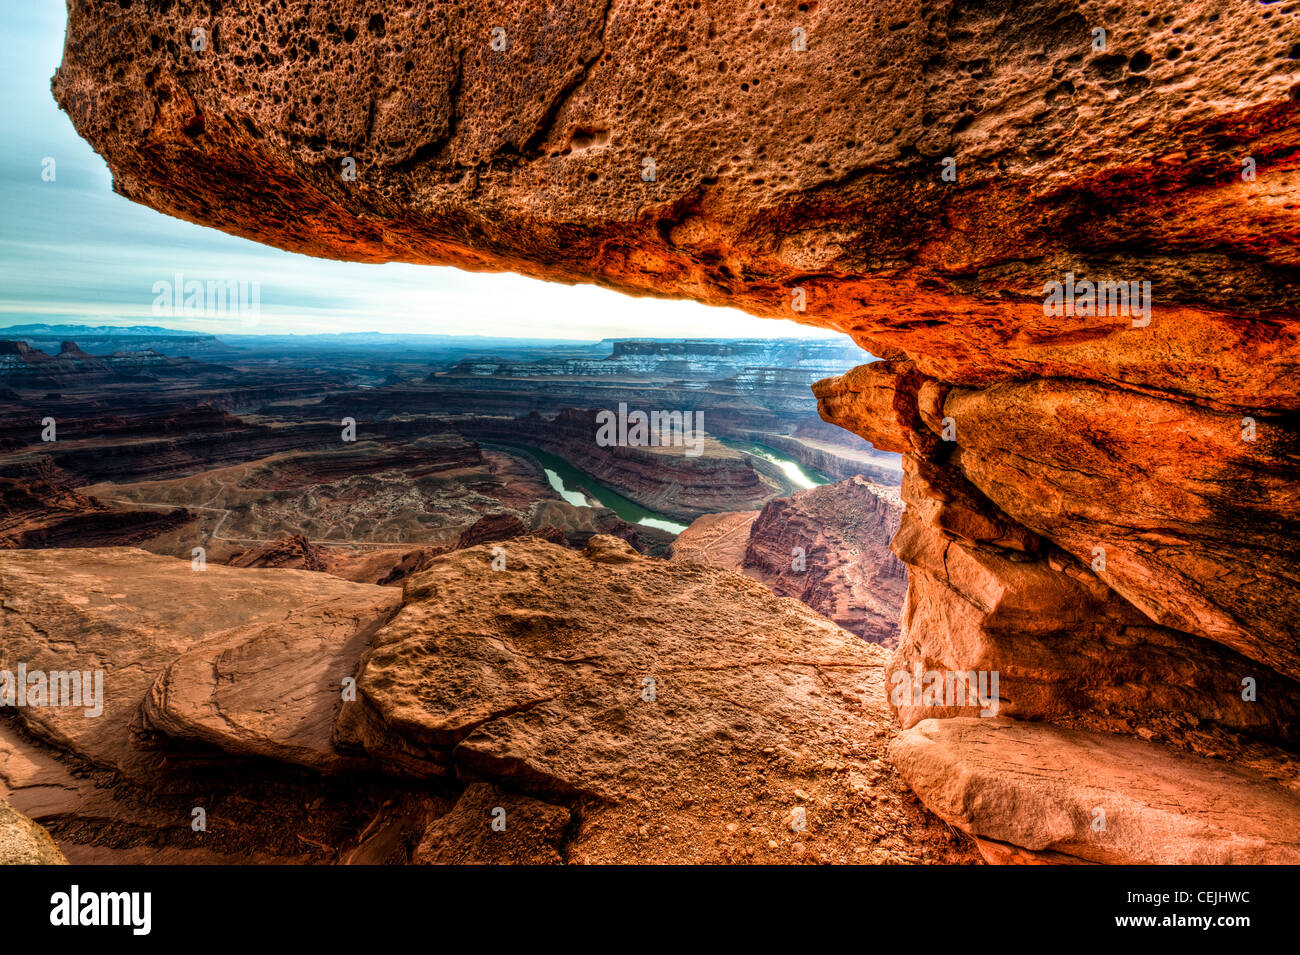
[
  {"x": 104, "y": 340},
  {"x": 66, "y": 332},
  {"x": 24, "y": 366}
]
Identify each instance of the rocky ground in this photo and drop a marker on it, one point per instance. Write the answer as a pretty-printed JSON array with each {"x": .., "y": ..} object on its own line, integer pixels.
[{"x": 618, "y": 707}]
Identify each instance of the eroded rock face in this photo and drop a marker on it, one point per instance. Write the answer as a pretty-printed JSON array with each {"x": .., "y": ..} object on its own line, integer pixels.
[
  {"x": 127, "y": 615},
  {"x": 293, "y": 550},
  {"x": 37, "y": 513},
  {"x": 829, "y": 548},
  {"x": 718, "y": 539},
  {"x": 1118, "y": 561},
  {"x": 1197, "y": 525},
  {"x": 520, "y": 686},
  {"x": 1066, "y": 552},
  {"x": 1061, "y": 643}
]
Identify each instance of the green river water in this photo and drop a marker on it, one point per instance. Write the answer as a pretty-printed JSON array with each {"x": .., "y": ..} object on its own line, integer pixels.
[
  {"x": 581, "y": 490},
  {"x": 798, "y": 475}
]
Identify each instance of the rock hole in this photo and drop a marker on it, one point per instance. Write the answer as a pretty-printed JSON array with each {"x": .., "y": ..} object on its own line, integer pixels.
[
  {"x": 583, "y": 138},
  {"x": 1108, "y": 67}
]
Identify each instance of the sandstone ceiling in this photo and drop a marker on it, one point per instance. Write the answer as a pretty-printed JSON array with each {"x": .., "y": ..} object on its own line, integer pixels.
[
  {"x": 498, "y": 135},
  {"x": 1102, "y": 507}
]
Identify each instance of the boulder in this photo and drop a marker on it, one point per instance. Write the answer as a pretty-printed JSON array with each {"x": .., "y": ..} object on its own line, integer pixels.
[
  {"x": 489, "y": 826},
  {"x": 23, "y": 842},
  {"x": 1096, "y": 797},
  {"x": 128, "y": 614},
  {"x": 491, "y": 527},
  {"x": 273, "y": 688},
  {"x": 568, "y": 674}
]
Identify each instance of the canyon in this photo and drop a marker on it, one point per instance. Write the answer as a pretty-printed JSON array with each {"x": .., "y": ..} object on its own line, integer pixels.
[
  {"x": 669, "y": 480},
  {"x": 181, "y": 525},
  {"x": 1102, "y": 512},
  {"x": 260, "y": 448}
]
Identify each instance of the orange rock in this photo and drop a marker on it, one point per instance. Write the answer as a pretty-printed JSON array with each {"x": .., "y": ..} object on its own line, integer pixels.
[{"x": 1096, "y": 797}]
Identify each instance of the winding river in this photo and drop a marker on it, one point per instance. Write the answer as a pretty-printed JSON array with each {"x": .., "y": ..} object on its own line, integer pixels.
[
  {"x": 581, "y": 490},
  {"x": 801, "y": 477}
]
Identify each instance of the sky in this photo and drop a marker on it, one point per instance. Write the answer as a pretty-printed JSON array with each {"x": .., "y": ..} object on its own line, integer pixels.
[{"x": 74, "y": 252}]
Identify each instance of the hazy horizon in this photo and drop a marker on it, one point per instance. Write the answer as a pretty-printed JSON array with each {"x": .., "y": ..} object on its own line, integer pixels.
[
  {"x": 6, "y": 326},
  {"x": 73, "y": 251}
]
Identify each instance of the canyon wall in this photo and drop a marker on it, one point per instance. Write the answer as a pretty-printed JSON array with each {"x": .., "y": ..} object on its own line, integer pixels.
[
  {"x": 827, "y": 547},
  {"x": 1101, "y": 500}
]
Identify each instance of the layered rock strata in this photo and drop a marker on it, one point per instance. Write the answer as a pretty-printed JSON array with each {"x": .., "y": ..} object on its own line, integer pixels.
[
  {"x": 1096, "y": 600},
  {"x": 36, "y": 513},
  {"x": 827, "y": 547},
  {"x": 684, "y": 477}
]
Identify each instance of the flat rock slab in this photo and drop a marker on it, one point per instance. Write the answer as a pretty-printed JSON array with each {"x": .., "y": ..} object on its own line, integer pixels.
[
  {"x": 272, "y": 689},
  {"x": 130, "y": 614},
  {"x": 1097, "y": 797},
  {"x": 716, "y": 539},
  {"x": 34, "y": 782}
]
